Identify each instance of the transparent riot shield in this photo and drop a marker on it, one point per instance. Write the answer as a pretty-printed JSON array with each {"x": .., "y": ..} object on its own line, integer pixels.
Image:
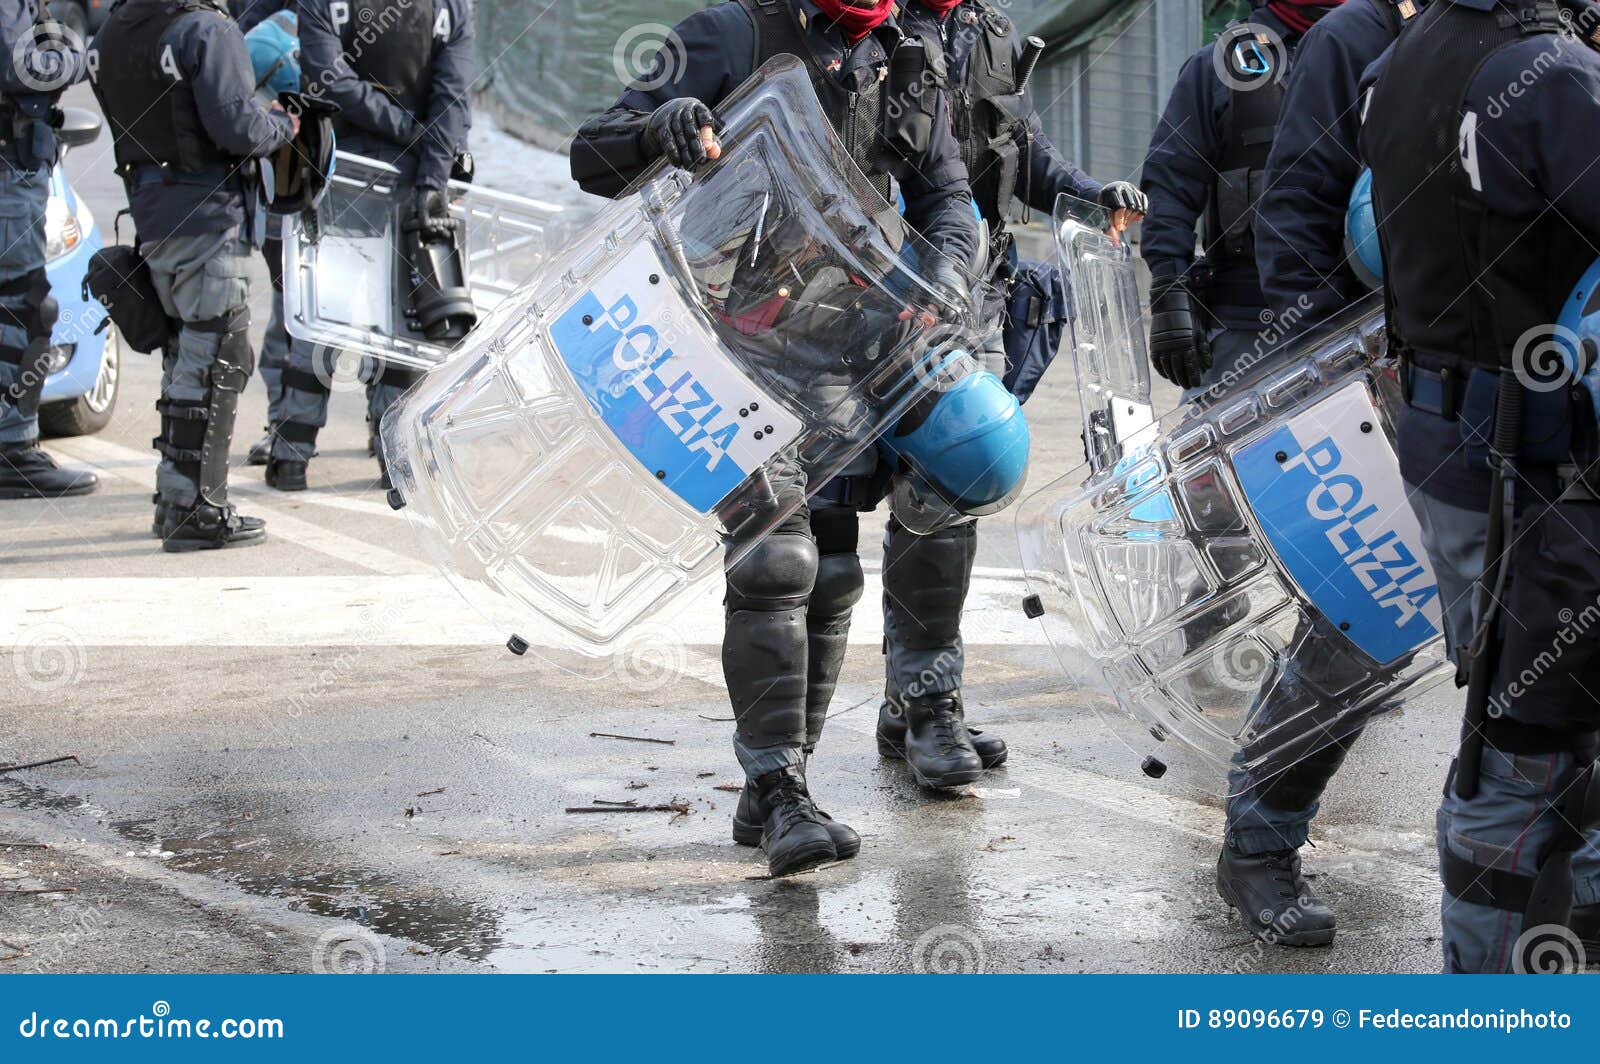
[
  {"x": 347, "y": 284},
  {"x": 1244, "y": 576},
  {"x": 719, "y": 347}
]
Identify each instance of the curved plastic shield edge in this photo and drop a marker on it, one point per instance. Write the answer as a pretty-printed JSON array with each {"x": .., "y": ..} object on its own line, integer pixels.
[
  {"x": 1248, "y": 580},
  {"x": 721, "y": 347},
  {"x": 1109, "y": 352},
  {"x": 346, "y": 284}
]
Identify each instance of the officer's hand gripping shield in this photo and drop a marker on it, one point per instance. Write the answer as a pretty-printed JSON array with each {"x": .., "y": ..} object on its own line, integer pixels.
[
  {"x": 1244, "y": 576},
  {"x": 719, "y": 347},
  {"x": 348, "y": 284}
]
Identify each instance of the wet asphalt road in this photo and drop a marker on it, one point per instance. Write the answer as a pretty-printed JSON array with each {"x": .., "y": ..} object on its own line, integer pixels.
[{"x": 307, "y": 755}]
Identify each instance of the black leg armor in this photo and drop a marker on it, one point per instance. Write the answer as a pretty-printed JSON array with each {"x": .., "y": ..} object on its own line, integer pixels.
[
  {"x": 764, "y": 648},
  {"x": 838, "y": 589},
  {"x": 229, "y": 374},
  {"x": 38, "y": 321},
  {"x": 196, "y": 434},
  {"x": 925, "y": 585}
]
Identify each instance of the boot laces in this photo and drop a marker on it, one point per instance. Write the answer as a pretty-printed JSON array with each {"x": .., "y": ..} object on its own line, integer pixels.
[
  {"x": 946, "y": 724},
  {"x": 1282, "y": 864},
  {"x": 791, "y": 804}
]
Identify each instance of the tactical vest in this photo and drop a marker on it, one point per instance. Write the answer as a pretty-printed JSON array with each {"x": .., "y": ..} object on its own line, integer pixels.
[
  {"x": 988, "y": 113},
  {"x": 151, "y": 112},
  {"x": 390, "y": 47},
  {"x": 1257, "y": 92},
  {"x": 1464, "y": 282},
  {"x": 860, "y": 118}
]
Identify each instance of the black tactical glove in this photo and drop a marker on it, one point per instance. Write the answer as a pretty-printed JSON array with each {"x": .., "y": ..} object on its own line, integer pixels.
[
  {"x": 430, "y": 216},
  {"x": 673, "y": 130},
  {"x": 950, "y": 298},
  {"x": 1123, "y": 196},
  {"x": 1178, "y": 346}
]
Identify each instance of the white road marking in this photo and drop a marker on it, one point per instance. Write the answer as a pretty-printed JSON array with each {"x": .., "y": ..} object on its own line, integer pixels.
[
  {"x": 315, "y": 497},
  {"x": 114, "y": 460}
]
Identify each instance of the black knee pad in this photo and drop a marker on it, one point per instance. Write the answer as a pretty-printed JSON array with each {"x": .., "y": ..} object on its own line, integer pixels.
[
  {"x": 925, "y": 582},
  {"x": 839, "y": 580},
  {"x": 839, "y": 585},
  {"x": 777, "y": 574},
  {"x": 235, "y": 358}
]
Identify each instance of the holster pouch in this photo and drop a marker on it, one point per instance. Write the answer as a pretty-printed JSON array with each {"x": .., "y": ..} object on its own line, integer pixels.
[
  {"x": 34, "y": 119},
  {"x": 1038, "y": 309},
  {"x": 1549, "y": 659},
  {"x": 1547, "y": 437},
  {"x": 915, "y": 80},
  {"x": 120, "y": 279}
]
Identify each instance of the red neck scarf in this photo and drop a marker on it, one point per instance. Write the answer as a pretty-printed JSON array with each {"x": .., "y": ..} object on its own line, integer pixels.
[
  {"x": 941, "y": 7},
  {"x": 1301, "y": 15},
  {"x": 857, "y": 18}
]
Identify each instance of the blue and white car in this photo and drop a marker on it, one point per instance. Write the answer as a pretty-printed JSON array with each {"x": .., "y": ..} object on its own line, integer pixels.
[{"x": 85, "y": 355}]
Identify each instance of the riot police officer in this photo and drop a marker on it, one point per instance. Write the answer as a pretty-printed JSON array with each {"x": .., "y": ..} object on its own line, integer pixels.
[
  {"x": 42, "y": 60},
  {"x": 1488, "y": 203},
  {"x": 926, "y": 577},
  {"x": 174, "y": 80},
  {"x": 271, "y": 32},
  {"x": 1204, "y": 173},
  {"x": 1300, "y": 220},
  {"x": 1314, "y": 164},
  {"x": 789, "y": 601},
  {"x": 401, "y": 76}
]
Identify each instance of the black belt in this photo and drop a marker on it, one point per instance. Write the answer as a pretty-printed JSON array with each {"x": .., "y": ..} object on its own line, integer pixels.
[
  {"x": 1511, "y": 736},
  {"x": 167, "y": 173},
  {"x": 855, "y": 493}
]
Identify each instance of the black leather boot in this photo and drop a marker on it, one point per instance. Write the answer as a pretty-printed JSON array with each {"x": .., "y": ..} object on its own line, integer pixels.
[
  {"x": 892, "y": 737},
  {"x": 751, "y": 814},
  {"x": 26, "y": 472},
  {"x": 1274, "y": 899},
  {"x": 209, "y": 527},
  {"x": 937, "y": 746},
  {"x": 795, "y": 838},
  {"x": 261, "y": 450},
  {"x": 286, "y": 475}
]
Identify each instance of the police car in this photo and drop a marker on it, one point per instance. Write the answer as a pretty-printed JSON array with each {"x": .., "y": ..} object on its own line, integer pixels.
[{"x": 85, "y": 359}]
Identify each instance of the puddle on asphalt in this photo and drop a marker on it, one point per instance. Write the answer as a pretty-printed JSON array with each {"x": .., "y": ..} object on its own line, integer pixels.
[
  {"x": 947, "y": 902},
  {"x": 382, "y": 903}
]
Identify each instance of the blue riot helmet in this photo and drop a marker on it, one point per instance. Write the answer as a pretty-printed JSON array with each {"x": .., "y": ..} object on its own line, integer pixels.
[
  {"x": 1578, "y": 331},
  {"x": 960, "y": 452},
  {"x": 1362, "y": 249},
  {"x": 274, "y": 46},
  {"x": 1578, "y": 337}
]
